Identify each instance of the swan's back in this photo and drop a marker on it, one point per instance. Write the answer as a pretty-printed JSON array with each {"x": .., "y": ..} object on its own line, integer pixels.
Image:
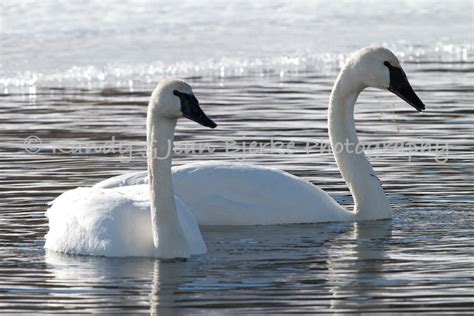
[
  {"x": 222, "y": 193},
  {"x": 241, "y": 194},
  {"x": 112, "y": 222}
]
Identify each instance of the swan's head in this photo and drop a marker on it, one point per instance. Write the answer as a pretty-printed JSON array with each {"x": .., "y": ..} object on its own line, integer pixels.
[
  {"x": 174, "y": 98},
  {"x": 378, "y": 67}
]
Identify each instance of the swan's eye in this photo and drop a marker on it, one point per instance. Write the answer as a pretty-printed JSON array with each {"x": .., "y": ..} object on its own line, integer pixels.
[{"x": 387, "y": 64}]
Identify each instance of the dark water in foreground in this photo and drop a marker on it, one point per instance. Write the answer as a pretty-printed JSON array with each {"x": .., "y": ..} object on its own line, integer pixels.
[{"x": 421, "y": 261}]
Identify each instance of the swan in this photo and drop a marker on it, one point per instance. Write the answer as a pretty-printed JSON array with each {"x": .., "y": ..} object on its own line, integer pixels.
[
  {"x": 242, "y": 194},
  {"x": 116, "y": 221}
]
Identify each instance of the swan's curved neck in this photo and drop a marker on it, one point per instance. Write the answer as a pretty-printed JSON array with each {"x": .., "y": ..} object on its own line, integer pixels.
[
  {"x": 168, "y": 235},
  {"x": 369, "y": 197}
]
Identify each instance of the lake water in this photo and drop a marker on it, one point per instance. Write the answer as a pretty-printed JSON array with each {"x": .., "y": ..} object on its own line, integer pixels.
[{"x": 78, "y": 75}]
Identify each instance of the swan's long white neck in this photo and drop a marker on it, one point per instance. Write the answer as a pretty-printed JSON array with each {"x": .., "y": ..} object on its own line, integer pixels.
[
  {"x": 369, "y": 197},
  {"x": 168, "y": 235}
]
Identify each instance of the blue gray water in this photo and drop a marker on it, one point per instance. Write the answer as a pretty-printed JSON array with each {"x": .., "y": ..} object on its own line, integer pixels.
[{"x": 78, "y": 75}]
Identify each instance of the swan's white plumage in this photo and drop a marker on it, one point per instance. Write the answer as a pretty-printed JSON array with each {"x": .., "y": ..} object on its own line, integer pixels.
[
  {"x": 131, "y": 219},
  {"x": 111, "y": 222},
  {"x": 128, "y": 179},
  {"x": 240, "y": 194}
]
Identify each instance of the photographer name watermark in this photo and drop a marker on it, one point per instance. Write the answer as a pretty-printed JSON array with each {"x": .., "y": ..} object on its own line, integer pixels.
[{"x": 240, "y": 149}]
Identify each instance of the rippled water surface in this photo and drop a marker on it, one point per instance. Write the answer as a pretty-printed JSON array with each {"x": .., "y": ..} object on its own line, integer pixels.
[{"x": 420, "y": 261}]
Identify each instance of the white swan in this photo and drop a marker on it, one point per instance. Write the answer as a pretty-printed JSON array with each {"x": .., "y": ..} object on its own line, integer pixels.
[
  {"x": 240, "y": 194},
  {"x": 116, "y": 221}
]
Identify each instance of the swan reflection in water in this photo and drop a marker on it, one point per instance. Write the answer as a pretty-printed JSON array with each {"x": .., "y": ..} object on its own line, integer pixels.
[
  {"x": 339, "y": 265},
  {"x": 102, "y": 284},
  {"x": 356, "y": 270}
]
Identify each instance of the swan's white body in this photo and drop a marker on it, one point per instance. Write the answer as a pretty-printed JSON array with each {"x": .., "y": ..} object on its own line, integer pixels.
[
  {"x": 241, "y": 194},
  {"x": 135, "y": 220},
  {"x": 111, "y": 222}
]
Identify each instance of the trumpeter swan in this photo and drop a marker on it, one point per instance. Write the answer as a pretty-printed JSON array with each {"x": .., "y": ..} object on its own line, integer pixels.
[
  {"x": 116, "y": 221},
  {"x": 241, "y": 194}
]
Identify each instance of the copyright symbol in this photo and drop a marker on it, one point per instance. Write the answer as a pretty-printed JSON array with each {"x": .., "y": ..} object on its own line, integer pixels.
[{"x": 32, "y": 144}]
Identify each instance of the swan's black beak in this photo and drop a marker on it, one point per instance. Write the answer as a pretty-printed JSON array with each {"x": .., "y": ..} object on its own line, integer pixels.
[
  {"x": 191, "y": 109},
  {"x": 400, "y": 86}
]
